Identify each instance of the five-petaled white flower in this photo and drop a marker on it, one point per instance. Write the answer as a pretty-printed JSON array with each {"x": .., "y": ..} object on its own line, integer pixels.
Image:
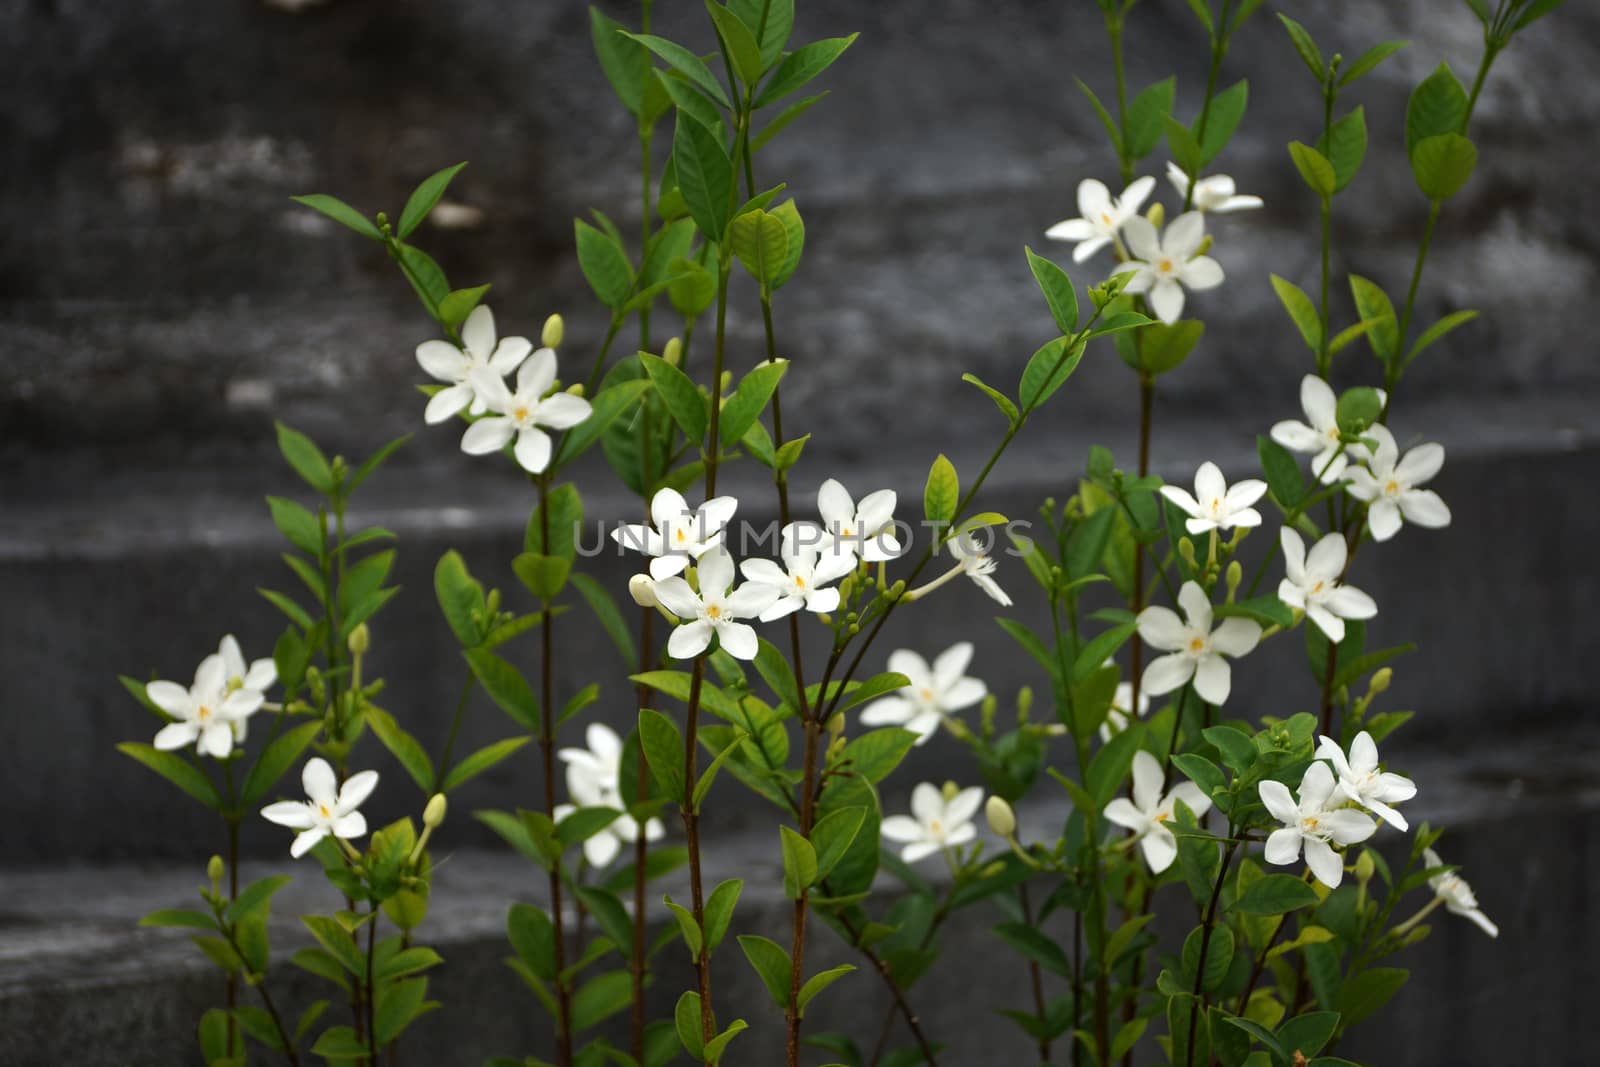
[
  {"x": 1163, "y": 266},
  {"x": 1312, "y": 583},
  {"x": 1215, "y": 194},
  {"x": 594, "y": 778},
  {"x": 331, "y": 808},
  {"x": 864, "y": 530},
  {"x": 1361, "y": 781},
  {"x": 1100, "y": 215},
  {"x": 806, "y": 570},
  {"x": 715, "y": 609},
  {"x": 1319, "y": 434},
  {"x": 1121, "y": 712},
  {"x": 934, "y": 823},
  {"x": 933, "y": 692},
  {"x": 1216, "y": 505},
  {"x": 1194, "y": 649},
  {"x": 1309, "y": 823},
  {"x": 977, "y": 564},
  {"x": 454, "y": 366},
  {"x": 1388, "y": 484},
  {"x": 1457, "y": 894},
  {"x": 525, "y": 414},
  {"x": 681, "y": 534},
  {"x": 212, "y": 711},
  {"x": 1150, "y": 811}
]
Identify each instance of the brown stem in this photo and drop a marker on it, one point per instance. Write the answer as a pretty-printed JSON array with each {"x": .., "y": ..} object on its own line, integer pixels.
[
  {"x": 691, "y": 833},
  {"x": 641, "y": 848},
  {"x": 1205, "y": 946},
  {"x": 232, "y": 998},
  {"x": 547, "y": 751},
  {"x": 1259, "y": 966},
  {"x": 1147, "y": 394},
  {"x": 1034, "y": 974},
  {"x": 898, "y": 995},
  {"x": 1077, "y": 977},
  {"x": 371, "y": 987}
]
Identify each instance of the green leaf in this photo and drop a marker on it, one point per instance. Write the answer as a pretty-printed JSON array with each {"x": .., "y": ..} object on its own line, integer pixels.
[
  {"x": 301, "y": 527},
  {"x": 533, "y": 938},
  {"x": 832, "y": 837},
  {"x": 1266, "y": 609},
  {"x": 1369, "y": 60},
  {"x": 625, "y": 62},
  {"x": 800, "y": 66},
  {"x": 544, "y": 576},
  {"x": 192, "y": 920},
  {"x": 771, "y": 962},
  {"x": 372, "y": 463},
  {"x": 663, "y": 751},
  {"x": 460, "y": 598},
  {"x": 1373, "y": 305},
  {"x": 771, "y": 21},
  {"x": 1314, "y": 168},
  {"x": 284, "y": 752},
  {"x": 1202, "y": 11},
  {"x": 1048, "y": 370},
  {"x": 604, "y": 264},
  {"x": 425, "y": 276},
  {"x": 600, "y": 998},
  {"x": 942, "y": 492},
  {"x": 1001, "y": 401},
  {"x": 1363, "y": 994},
  {"x": 398, "y": 1006},
  {"x": 340, "y": 1043},
  {"x": 1163, "y": 348},
  {"x": 423, "y": 198},
  {"x": 340, "y": 212},
  {"x": 1185, "y": 149},
  {"x": 684, "y": 62},
  {"x": 306, "y": 458},
  {"x": 1443, "y": 164},
  {"x": 1058, "y": 291},
  {"x": 1222, "y": 119},
  {"x": 686, "y": 1020},
  {"x": 1035, "y": 946},
  {"x": 1305, "y": 48},
  {"x": 719, "y": 911},
  {"x": 799, "y": 863},
  {"x": 455, "y": 307},
  {"x": 337, "y": 942},
  {"x": 1345, "y": 147},
  {"x": 1275, "y": 894},
  {"x": 1438, "y": 330},
  {"x": 795, "y": 228},
  {"x": 1308, "y": 1033},
  {"x": 820, "y": 981},
  {"x": 506, "y": 687},
  {"x": 705, "y": 175},
  {"x": 175, "y": 769},
  {"x": 761, "y": 242},
  {"x": 782, "y": 120},
  {"x": 481, "y": 761},
  {"x": 608, "y": 405},
  {"x": 874, "y": 754},
  {"x": 740, "y": 42},
  {"x": 741, "y": 410},
  {"x": 684, "y": 401},
  {"x": 1438, "y": 105},
  {"x": 1201, "y": 771},
  {"x": 889, "y": 681},
  {"x": 1219, "y": 955},
  {"x": 605, "y": 609},
  {"x": 1147, "y": 119},
  {"x": 693, "y": 937},
  {"x": 1535, "y": 11},
  {"x": 1301, "y": 310},
  {"x": 1358, "y": 408}
]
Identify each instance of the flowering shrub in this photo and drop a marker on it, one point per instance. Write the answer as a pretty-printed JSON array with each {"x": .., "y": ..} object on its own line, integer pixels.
[{"x": 1171, "y": 789}]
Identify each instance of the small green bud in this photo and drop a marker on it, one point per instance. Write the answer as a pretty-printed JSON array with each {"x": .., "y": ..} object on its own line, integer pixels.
[
  {"x": 215, "y": 870},
  {"x": 434, "y": 813},
  {"x": 950, "y": 791},
  {"x": 726, "y": 382},
  {"x": 1235, "y": 575},
  {"x": 491, "y": 603},
  {"x": 1186, "y": 550},
  {"x": 1002, "y": 820},
  {"x": 576, "y": 389},
  {"x": 1205, "y": 245},
  {"x": 1157, "y": 214},
  {"x": 1380, "y": 680},
  {"x": 360, "y": 640},
  {"x": 554, "y": 330},
  {"x": 897, "y": 590},
  {"x": 992, "y": 870},
  {"x": 1024, "y": 701},
  {"x": 1365, "y": 868}
]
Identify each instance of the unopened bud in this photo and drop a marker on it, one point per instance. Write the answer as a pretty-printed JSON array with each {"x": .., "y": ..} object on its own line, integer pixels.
[
  {"x": 1235, "y": 575},
  {"x": 1205, "y": 246},
  {"x": 554, "y": 330},
  {"x": 1380, "y": 680},
  {"x": 491, "y": 603},
  {"x": 576, "y": 389},
  {"x": 360, "y": 640},
  {"x": 897, "y": 590},
  {"x": 215, "y": 870},
  {"x": 1157, "y": 214},
  {"x": 836, "y": 724},
  {"x": 950, "y": 791},
  {"x": 1024, "y": 702},
  {"x": 1002, "y": 820},
  {"x": 726, "y": 381},
  {"x": 1365, "y": 867},
  {"x": 1186, "y": 550},
  {"x": 673, "y": 352},
  {"x": 643, "y": 591},
  {"x": 434, "y": 813}
]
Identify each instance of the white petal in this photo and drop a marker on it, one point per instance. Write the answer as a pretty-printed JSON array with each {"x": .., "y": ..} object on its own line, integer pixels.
[
  {"x": 1141, "y": 239},
  {"x": 303, "y": 842},
  {"x": 319, "y": 782},
  {"x": 349, "y": 825},
  {"x": 1201, "y": 273},
  {"x": 263, "y": 674},
  {"x": 888, "y": 711},
  {"x": 356, "y": 789},
  {"x": 1088, "y": 248},
  {"x": 676, "y": 596},
  {"x": 951, "y": 664},
  {"x": 965, "y": 693},
  {"x": 750, "y": 600},
  {"x": 1349, "y": 827},
  {"x": 533, "y": 449},
  {"x": 1186, "y": 503},
  {"x": 1420, "y": 464},
  {"x": 477, "y": 333},
  {"x": 1137, "y": 192},
  {"x": 927, "y": 803},
  {"x": 1294, "y": 555},
  {"x": 1425, "y": 508},
  {"x": 834, "y": 504},
  {"x": 1166, "y": 673},
  {"x": 1213, "y": 679},
  {"x": 562, "y": 411},
  {"x": 1094, "y": 199},
  {"x": 537, "y": 374},
  {"x": 1297, "y": 436},
  {"x": 509, "y": 354},
  {"x": 176, "y": 735},
  {"x": 1316, "y": 786},
  {"x": 601, "y": 849},
  {"x": 488, "y": 435},
  {"x": 689, "y": 640},
  {"x": 1122, "y": 812},
  {"x": 1193, "y": 797},
  {"x": 738, "y": 640},
  {"x": 170, "y": 697},
  {"x": 1351, "y": 603},
  {"x": 667, "y": 508},
  {"x": 963, "y": 806},
  {"x": 1330, "y": 624},
  {"x": 1195, "y": 604},
  {"x": 1384, "y": 519},
  {"x": 1328, "y": 557},
  {"x": 1242, "y": 494},
  {"x": 902, "y": 828},
  {"x": 1324, "y": 863},
  {"x": 1483, "y": 921},
  {"x": 1071, "y": 230},
  {"x": 1160, "y": 848},
  {"x": 443, "y": 361},
  {"x": 918, "y": 850},
  {"x": 1161, "y": 628},
  {"x": 290, "y": 813},
  {"x": 1283, "y": 847},
  {"x": 1279, "y": 801},
  {"x": 1183, "y": 235},
  {"x": 1147, "y": 781}
]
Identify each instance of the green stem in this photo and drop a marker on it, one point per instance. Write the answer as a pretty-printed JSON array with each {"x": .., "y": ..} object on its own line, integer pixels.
[
  {"x": 372, "y": 988},
  {"x": 1219, "y": 48},
  {"x": 547, "y": 742},
  {"x": 1205, "y": 945},
  {"x": 1125, "y": 161},
  {"x": 455, "y": 728},
  {"x": 593, "y": 381}
]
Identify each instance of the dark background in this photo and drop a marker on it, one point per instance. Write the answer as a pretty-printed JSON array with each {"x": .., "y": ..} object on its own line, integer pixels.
[{"x": 161, "y": 302}]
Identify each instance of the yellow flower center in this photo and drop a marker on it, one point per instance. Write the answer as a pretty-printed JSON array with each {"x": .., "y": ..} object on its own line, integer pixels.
[
  {"x": 1105, "y": 218},
  {"x": 926, "y": 694},
  {"x": 203, "y": 714},
  {"x": 680, "y": 537},
  {"x": 1318, "y": 587},
  {"x": 714, "y": 611},
  {"x": 1163, "y": 816},
  {"x": 1311, "y": 823},
  {"x": 521, "y": 414},
  {"x": 800, "y": 583},
  {"x": 1391, "y": 488},
  {"x": 322, "y": 809},
  {"x": 935, "y": 827},
  {"x": 1164, "y": 265},
  {"x": 1197, "y": 644},
  {"x": 846, "y": 532}
]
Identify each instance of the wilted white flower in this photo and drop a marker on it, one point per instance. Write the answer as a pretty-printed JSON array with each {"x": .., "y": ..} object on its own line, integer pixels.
[
  {"x": 1164, "y": 266},
  {"x": 525, "y": 414},
  {"x": 1214, "y": 195},
  {"x": 715, "y": 609},
  {"x": 594, "y": 777},
  {"x": 1360, "y": 779},
  {"x": 865, "y": 529},
  {"x": 1388, "y": 484},
  {"x": 680, "y": 534},
  {"x": 800, "y": 582},
  {"x": 331, "y": 808},
  {"x": 1216, "y": 505},
  {"x": 1194, "y": 649},
  {"x": 1312, "y": 583},
  {"x": 933, "y": 692},
  {"x": 1457, "y": 894},
  {"x": 978, "y": 565},
  {"x": 1310, "y": 824},
  {"x": 1149, "y": 812},
  {"x": 454, "y": 366},
  {"x": 935, "y": 823},
  {"x": 1100, "y": 216},
  {"x": 1319, "y": 434}
]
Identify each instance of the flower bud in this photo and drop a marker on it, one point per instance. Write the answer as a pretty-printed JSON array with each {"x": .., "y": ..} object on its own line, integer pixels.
[
  {"x": 1024, "y": 702},
  {"x": 576, "y": 389},
  {"x": 1365, "y": 868},
  {"x": 1205, "y": 246},
  {"x": 643, "y": 590},
  {"x": 897, "y": 590},
  {"x": 726, "y": 382},
  {"x": 950, "y": 791},
  {"x": 1002, "y": 820},
  {"x": 215, "y": 869},
  {"x": 1186, "y": 550},
  {"x": 1157, "y": 214},
  {"x": 554, "y": 330},
  {"x": 1380, "y": 680},
  {"x": 360, "y": 640},
  {"x": 434, "y": 813},
  {"x": 836, "y": 724},
  {"x": 673, "y": 352},
  {"x": 1235, "y": 575}
]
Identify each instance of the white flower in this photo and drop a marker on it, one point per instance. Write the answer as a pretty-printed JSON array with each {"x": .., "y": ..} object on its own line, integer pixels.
[
  {"x": 331, "y": 808},
  {"x": 1312, "y": 583},
  {"x": 1122, "y": 712},
  {"x": 938, "y": 823},
  {"x": 1457, "y": 894},
  {"x": 1388, "y": 485},
  {"x": 1319, "y": 434},
  {"x": 978, "y": 565},
  {"x": 1100, "y": 215},
  {"x": 259, "y": 675},
  {"x": 1310, "y": 824},
  {"x": 866, "y": 529},
  {"x": 799, "y": 582},
  {"x": 594, "y": 778},
  {"x": 524, "y": 414},
  {"x": 211, "y": 711},
  {"x": 1164, "y": 266},
  {"x": 1194, "y": 649},
  {"x": 933, "y": 692},
  {"x": 454, "y": 366},
  {"x": 1361, "y": 781},
  {"x": 1214, "y": 194},
  {"x": 1216, "y": 505},
  {"x": 680, "y": 534},
  {"x": 1149, "y": 812},
  {"x": 715, "y": 609}
]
